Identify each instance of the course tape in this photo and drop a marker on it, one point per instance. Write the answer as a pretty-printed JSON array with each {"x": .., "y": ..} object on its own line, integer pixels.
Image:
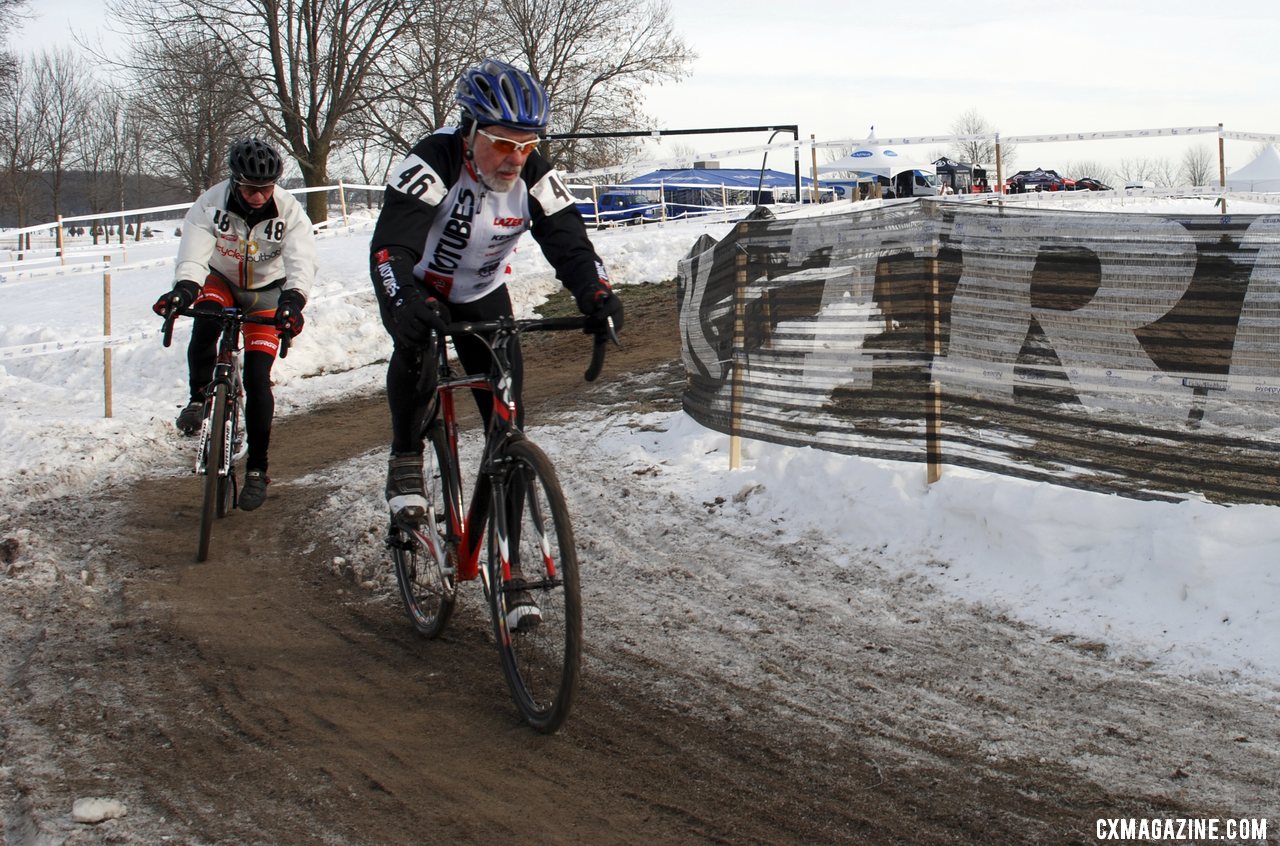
[
  {"x": 77, "y": 270},
  {"x": 1161, "y": 132},
  {"x": 102, "y": 341}
]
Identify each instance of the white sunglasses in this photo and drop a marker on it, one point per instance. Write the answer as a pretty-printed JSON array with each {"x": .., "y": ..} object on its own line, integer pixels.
[{"x": 506, "y": 146}]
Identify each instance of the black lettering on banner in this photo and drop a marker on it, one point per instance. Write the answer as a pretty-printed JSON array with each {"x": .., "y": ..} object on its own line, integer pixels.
[{"x": 1077, "y": 342}]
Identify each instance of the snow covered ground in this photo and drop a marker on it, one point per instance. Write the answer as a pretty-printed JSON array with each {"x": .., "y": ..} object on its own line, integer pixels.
[{"x": 1190, "y": 586}]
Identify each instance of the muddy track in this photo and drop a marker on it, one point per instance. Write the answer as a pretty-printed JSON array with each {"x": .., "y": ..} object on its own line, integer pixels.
[{"x": 260, "y": 698}]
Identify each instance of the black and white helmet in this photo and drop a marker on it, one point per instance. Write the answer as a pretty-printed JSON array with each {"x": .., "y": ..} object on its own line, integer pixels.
[{"x": 254, "y": 161}]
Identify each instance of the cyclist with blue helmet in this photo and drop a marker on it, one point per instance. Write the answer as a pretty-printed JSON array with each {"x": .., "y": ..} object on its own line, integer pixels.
[{"x": 453, "y": 211}]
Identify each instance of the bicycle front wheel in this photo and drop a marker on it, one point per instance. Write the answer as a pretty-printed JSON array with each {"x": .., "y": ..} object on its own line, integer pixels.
[
  {"x": 542, "y": 653},
  {"x": 214, "y": 460},
  {"x": 227, "y": 481},
  {"x": 425, "y": 562}
]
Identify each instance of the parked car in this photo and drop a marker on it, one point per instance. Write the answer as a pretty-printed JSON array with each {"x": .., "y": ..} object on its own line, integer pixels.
[
  {"x": 1038, "y": 180},
  {"x": 1088, "y": 183}
]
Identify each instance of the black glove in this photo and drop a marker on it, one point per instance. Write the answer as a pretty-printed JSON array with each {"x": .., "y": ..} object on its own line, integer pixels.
[
  {"x": 598, "y": 302},
  {"x": 184, "y": 293},
  {"x": 289, "y": 311},
  {"x": 417, "y": 315}
]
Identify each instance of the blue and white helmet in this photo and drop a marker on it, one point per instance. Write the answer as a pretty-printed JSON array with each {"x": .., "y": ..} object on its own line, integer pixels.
[{"x": 494, "y": 93}]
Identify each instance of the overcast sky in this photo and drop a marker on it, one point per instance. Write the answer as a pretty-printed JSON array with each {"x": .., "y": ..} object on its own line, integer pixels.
[{"x": 1031, "y": 67}]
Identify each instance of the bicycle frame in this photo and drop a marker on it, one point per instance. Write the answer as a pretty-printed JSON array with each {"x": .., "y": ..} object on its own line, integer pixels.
[
  {"x": 467, "y": 526},
  {"x": 466, "y": 529}
]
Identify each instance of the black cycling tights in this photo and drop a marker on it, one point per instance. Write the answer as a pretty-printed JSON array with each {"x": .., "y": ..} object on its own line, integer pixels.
[
  {"x": 408, "y": 406},
  {"x": 259, "y": 402}
]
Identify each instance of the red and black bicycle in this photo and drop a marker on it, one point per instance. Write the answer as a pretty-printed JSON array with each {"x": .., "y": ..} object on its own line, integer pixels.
[{"x": 516, "y": 510}]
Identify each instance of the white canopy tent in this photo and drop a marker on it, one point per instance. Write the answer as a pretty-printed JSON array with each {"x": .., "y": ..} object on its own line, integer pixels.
[
  {"x": 876, "y": 161},
  {"x": 1262, "y": 174}
]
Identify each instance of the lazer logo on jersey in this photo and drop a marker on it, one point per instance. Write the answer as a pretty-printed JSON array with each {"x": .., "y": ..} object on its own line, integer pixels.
[
  {"x": 456, "y": 235},
  {"x": 388, "y": 276},
  {"x": 508, "y": 222}
]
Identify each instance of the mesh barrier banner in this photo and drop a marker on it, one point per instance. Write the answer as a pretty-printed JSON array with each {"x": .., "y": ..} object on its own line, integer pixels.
[{"x": 1128, "y": 353}]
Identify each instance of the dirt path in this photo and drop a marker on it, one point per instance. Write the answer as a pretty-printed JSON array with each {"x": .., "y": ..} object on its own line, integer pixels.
[{"x": 258, "y": 699}]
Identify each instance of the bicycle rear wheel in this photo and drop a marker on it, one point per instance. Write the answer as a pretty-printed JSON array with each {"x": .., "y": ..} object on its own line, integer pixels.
[
  {"x": 541, "y": 663},
  {"x": 214, "y": 459},
  {"x": 425, "y": 563}
]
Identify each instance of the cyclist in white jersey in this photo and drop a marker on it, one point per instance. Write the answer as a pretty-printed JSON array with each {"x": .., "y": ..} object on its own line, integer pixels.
[
  {"x": 452, "y": 213},
  {"x": 244, "y": 244}
]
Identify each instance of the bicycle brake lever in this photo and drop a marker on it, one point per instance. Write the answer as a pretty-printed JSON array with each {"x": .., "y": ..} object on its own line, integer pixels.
[
  {"x": 598, "y": 348},
  {"x": 166, "y": 336}
]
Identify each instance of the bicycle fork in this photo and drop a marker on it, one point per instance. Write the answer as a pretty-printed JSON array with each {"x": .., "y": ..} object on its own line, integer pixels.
[
  {"x": 220, "y": 377},
  {"x": 517, "y": 501}
]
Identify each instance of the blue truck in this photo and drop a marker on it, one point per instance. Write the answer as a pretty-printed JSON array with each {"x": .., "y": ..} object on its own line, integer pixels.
[{"x": 619, "y": 207}]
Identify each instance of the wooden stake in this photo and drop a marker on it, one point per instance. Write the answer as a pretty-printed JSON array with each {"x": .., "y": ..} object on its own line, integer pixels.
[
  {"x": 999, "y": 171},
  {"x": 739, "y": 356},
  {"x": 933, "y": 410},
  {"x": 106, "y": 331},
  {"x": 813, "y": 149},
  {"x": 1222, "y": 170}
]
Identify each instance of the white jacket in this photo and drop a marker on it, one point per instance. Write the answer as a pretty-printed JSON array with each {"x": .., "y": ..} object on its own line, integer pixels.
[{"x": 281, "y": 246}]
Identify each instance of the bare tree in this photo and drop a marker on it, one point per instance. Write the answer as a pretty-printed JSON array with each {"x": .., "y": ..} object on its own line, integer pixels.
[
  {"x": 1164, "y": 173},
  {"x": 594, "y": 57},
  {"x": 136, "y": 147},
  {"x": 306, "y": 63},
  {"x": 64, "y": 81},
  {"x": 446, "y": 38},
  {"x": 11, "y": 12},
  {"x": 101, "y": 145},
  {"x": 835, "y": 154},
  {"x": 1198, "y": 164},
  {"x": 191, "y": 125},
  {"x": 1089, "y": 168},
  {"x": 1137, "y": 170},
  {"x": 982, "y": 151},
  {"x": 22, "y": 129},
  {"x": 373, "y": 160}
]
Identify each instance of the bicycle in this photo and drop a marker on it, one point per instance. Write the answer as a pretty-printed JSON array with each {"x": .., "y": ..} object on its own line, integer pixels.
[
  {"x": 222, "y": 442},
  {"x": 517, "y": 506}
]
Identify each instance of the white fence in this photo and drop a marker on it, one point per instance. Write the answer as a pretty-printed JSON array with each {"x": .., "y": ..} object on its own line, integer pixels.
[{"x": 46, "y": 243}]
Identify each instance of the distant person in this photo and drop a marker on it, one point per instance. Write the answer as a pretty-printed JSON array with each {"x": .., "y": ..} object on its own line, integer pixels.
[
  {"x": 452, "y": 214},
  {"x": 253, "y": 247}
]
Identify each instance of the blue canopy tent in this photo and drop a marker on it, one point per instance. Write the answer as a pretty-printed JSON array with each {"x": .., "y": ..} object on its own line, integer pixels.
[{"x": 697, "y": 190}]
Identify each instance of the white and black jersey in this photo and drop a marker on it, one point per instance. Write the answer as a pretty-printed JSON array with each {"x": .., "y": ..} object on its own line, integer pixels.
[
  {"x": 457, "y": 235},
  {"x": 251, "y": 249}
]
